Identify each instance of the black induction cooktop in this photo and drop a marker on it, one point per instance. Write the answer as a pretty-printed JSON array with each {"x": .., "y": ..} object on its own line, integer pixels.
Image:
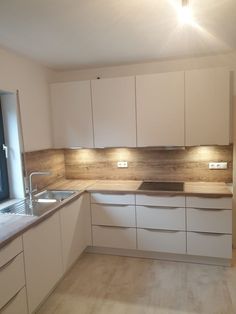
[{"x": 161, "y": 186}]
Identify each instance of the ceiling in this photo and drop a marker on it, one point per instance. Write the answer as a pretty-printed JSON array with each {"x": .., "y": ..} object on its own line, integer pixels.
[{"x": 75, "y": 34}]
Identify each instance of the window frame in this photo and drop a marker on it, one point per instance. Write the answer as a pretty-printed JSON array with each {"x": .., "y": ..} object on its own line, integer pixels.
[{"x": 4, "y": 192}]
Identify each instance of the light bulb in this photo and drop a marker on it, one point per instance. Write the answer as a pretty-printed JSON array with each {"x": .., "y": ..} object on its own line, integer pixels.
[{"x": 185, "y": 15}]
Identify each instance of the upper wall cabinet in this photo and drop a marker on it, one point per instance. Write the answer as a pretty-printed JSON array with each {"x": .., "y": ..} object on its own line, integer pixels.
[
  {"x": 72, "y": 114},
  {"x": 114, "y": 112},
  {"x": 160, "y": 109},
  {"x": 207, "y": 107}
]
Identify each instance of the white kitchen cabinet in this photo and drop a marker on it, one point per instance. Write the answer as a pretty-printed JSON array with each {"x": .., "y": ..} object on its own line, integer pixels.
[
  {"x": 207, "y": 107},
  {"x": 108, "y": 198},
  {"x": 75, "y": 229},
  {"x": 113, "y": 215},
  {"x": 114, "y": 237},
  {"x": 12, "y": 279},
  {"x": 209, "y": 202},
  {"x": 160, "y": 109},
  {"x": 163, "y": 201},
  {"x": 161, "y": 241},
  {"x": 209, "y": 220},
  {"x": 169, "y": 218},
  {"x": 43, "y": 259},
  {"x": 114, "y": 119},
  {"x": 17, "y": 305},
  {"x": 72, "y": 114},
  {"x": 209, "y": 244}
]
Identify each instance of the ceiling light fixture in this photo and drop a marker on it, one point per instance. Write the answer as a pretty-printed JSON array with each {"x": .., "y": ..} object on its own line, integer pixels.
[{"x": 185, "y": 14}]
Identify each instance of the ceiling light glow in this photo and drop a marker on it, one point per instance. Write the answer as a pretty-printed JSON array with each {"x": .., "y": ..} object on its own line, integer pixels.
[{"x": 185, "y": 13}]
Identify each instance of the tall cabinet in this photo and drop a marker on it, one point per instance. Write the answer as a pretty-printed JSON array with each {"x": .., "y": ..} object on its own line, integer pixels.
[
  {"x": 160, "y": 109},
  {"x": 114, "y": 112},
  {"x": 207, "y": 97},
  {"x": 72, "y": 114}
]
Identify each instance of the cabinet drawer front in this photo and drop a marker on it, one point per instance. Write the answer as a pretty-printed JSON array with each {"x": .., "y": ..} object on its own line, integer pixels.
[
  {"x": 162, "y": 241},
  {"x": 17, "y": 304},
  {"x": 10, "y": 250},
  {"x": 218, "y": 221},
  {"x": 153, "y": 200},
  {"x": 172, "y": 218},
  {"x": 12, "y": 278},
  {"x": 207, "y": 202},
  {"x": 207, "y": 244},
  {"x": 114, "y": 237},
  {"x": 125, "y": 199},
  {"x": 113, "y": 215}
]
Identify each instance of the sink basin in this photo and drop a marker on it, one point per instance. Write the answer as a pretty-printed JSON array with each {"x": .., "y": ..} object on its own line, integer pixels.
[
  {"x": 27, "y": 208},
  {"x": 41, "y": 203},
  {"x": 50, "y": 196}
]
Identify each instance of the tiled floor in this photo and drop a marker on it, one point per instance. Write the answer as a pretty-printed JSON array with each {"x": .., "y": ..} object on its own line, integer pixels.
[{"x": 105, "y": 284}]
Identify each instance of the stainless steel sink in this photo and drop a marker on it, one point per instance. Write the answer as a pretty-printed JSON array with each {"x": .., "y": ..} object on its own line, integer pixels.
[
  {"x": 28, "y": 208},
  {"x": 49, "y": 195},
  {"x": 40, "y": 204}
]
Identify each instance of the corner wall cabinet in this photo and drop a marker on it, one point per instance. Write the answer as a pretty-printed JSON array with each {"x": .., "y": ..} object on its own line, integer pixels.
[
  {"x": 207, "y": 107},
  {"x": 72, "y": 114}
]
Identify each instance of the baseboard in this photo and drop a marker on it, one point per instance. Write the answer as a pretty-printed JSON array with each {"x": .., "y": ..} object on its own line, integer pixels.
[{"x": 161, "y": 256}]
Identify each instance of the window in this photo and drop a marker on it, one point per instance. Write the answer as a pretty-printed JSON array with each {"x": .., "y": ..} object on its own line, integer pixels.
[{"x": 4, "y": 187}]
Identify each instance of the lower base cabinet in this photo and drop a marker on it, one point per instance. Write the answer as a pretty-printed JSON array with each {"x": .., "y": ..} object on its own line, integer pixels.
[
  {"x": 75, "y": 230},
  {"x": 17, "y": 305},
  {"x": 209, "y": 244},
  {"x": 43, "y": 260},
  {"x": 114, "y": 237},
  {"x": 161, "y": 241}
]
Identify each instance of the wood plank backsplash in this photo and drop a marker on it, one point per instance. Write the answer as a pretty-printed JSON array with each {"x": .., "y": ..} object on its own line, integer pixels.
[
  {"x": 189, "y": 164},
  {"x": 45, "y": 160}
]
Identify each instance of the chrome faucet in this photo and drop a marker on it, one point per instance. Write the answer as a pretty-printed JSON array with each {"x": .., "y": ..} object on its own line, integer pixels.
[{"x": 36, "y": 173}]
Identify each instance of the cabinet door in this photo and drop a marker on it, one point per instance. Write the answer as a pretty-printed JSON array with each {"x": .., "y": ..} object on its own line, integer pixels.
[
  {"x": 43, "y": 260},
  {"x": 207, "y": 107},
  {"x": 75, "y": 230},
  {"x": 72, "y": 114},
  {"x": 114, "y": 112},
  {"x": 160, "y": 109}
]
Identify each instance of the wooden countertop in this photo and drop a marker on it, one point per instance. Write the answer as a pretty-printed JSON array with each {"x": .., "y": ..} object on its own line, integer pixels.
[{"x": 11, "y": 226}]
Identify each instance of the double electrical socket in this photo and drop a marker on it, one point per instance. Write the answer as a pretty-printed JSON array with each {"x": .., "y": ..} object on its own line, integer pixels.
[
  {"x": 217, "y": 165},
  {"x": 122, "y": 164}
]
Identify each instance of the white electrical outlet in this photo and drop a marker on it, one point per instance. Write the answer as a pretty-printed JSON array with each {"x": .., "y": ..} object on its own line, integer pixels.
[
  {"x": 122, "y": 164},
  {"x": 217, "y": 165}
]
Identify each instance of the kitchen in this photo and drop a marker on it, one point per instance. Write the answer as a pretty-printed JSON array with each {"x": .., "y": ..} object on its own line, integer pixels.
[{"x": 132, "y": 159}]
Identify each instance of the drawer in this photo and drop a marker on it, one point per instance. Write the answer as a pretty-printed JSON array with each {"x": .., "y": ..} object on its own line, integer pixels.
[
  {"x": 125, "y": 199},
  {"x": 162, "y": 241},
  {"x": 209, "y": 202},
  {"x": 114, "y": 237},
  {"x": 113, "y": 215},
  {"x": 153, "y": 200},
  {"x": 170, "y": 218},
  {"x": 209, "y": 244},
  {"x": 17, "y": 305},
  {"x": 209, "y": 220},
  {"x": 10, "y": 250},
  {"x": 12, "y": 278}
]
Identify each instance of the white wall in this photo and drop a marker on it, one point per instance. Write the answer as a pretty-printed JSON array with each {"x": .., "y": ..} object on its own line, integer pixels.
[
  {"x": 228, "y": 60},
  {"x": 31, "y": 79}
]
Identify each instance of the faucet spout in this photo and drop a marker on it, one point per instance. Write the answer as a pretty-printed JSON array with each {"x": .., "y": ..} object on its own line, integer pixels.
[{"x": 35, "y": 173}]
